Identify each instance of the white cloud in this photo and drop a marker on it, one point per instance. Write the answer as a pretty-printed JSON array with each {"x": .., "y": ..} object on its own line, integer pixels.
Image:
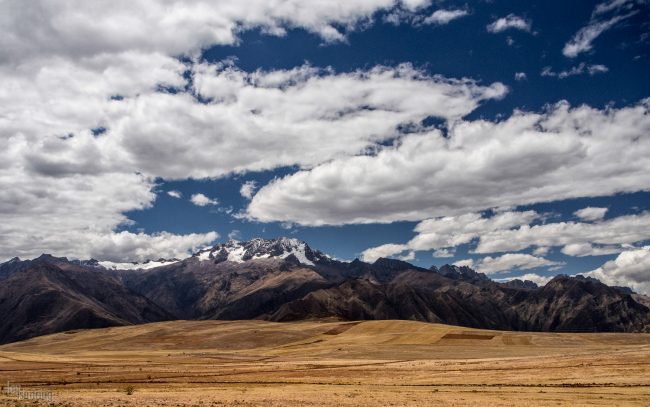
[
  {"x": 77, "y": 68},
  {"x": 78, "y": 28},
  {"x": 50, "y": 158},
  {"x": 595, "y": 69},
  {"x": 445, "y": 234},
  {"x": 510, "y": 21},
  {"x": 127, "y": 246},
  {"x": 577, "y": 238},
  {"x": 511, "y": 232},
  {"x": 248, "y": 189},
  {"x": 76, "y": 215},
  {"x": 580, "y": 69},
  {"x": 291, "y": 111},
  {"x": 202, "y": 200},
  {"x": 407, "y": 257},
  {"x": 175, "y": 194},
  {"x": 591, "y": 213},
  {"x": 453, "y": 231},
  {"x": 512, "y": 261},
  {"x": 386, "y": 250},
  {"x": 588, "y": 249},
  {"x": 583, "y": 39},
  {"x": 630, "y": 269},
  {"x": 234, "y": 234},
  {"x": 535, "y": 278},
  {"x": 541, "y": 251},
  {"x": 465, "y": 263},
  {"x": 107, "y": 246},
  {"x": 521, "y": 76},
  {"x": 559, "y": 154},
  {"x": 607, "y": 6},
  {"x": 442, "y": 253},
  {"x": 442, "y": 17}
]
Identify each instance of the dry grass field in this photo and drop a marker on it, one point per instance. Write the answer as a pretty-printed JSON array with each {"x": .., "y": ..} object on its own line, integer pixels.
[{"x": 372, "y": 363}]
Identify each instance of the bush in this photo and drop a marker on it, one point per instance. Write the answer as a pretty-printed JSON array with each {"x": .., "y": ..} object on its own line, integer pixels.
[{"x": 129, "y": 389}]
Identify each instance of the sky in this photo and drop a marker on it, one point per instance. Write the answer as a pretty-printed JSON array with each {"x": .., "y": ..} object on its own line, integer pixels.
[{"x": 509, "y": 136}]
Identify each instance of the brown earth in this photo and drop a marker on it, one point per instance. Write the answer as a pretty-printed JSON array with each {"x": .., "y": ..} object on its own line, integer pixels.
[{"x": 316, "y": 363}]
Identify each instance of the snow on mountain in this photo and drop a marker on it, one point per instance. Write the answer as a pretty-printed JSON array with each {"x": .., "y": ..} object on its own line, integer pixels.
[
  {"x": 137, "y": 266},
  {"x": 281, "y": 248}
]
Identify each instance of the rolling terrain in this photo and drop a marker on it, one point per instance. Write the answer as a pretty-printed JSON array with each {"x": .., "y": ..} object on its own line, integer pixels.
[{"x": 321, "y": 363}]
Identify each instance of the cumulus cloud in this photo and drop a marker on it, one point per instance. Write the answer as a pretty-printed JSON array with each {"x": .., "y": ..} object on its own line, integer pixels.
[
  {"x": 442, "y": 17},
  {"x": 508, "y": 22},
  {"x": 453, "y": 231},
  {"x": 529, "y": 157},
  {"x": 583, "y": 39},
  {"x": 76, "y": 69},
  {"x": 512, "y": 261},
  {"x": 175, "y": 194},
  {"x": 78, "y": 28},
  {"x": 127, "y": 246},
  {"x": 512, "y": 231},
  {"x": 76, "y": 215},
  {"x": 588, "y": 249},
  {"x": 235, "y": 234},
  {"x": 112, "y": 246},
  {"x": 407, "y": 257},
  {"x": 202, "y": 200},
  {"x": 445, "y": 234},
  {"x": 591, "y": 213},
  {"x": 521, "y": 76},
  {"x": 57, "y": 174},
  {"x": 630, "y": 269},
  {"x": 576, "y": 238},
  {"x": 51, "y": 158},
  {"x": 386, "y": 250},
  {"x": 248, "y": 189},
  {"x": 541, "y": 251},
  {"x": 535, "y": 278},
  {"x": 465, "y": 263},
  {"x": 580, "y": 69},
  {"x": 265, "y": 119},
  {"x": 442, "y": 253}
]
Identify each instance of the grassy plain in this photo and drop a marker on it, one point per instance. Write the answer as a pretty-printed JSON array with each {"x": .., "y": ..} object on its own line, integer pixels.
[{"x": 318, "y": 363}]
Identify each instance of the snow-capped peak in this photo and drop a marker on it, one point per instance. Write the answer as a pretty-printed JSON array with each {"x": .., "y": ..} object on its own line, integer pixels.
[{"x": 281, "y": 248}]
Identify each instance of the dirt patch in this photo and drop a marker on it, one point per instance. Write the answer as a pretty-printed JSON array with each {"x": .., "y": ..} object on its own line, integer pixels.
[
  {"x": 468, "y": 336},
  {"x": 339, "y": 329}
]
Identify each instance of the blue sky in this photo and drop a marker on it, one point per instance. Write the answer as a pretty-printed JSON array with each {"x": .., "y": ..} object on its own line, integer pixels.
[{"x": 561, "y": 89}]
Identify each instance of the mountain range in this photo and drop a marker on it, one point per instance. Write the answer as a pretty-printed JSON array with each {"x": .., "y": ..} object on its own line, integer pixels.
[{"x": 285, "y": 280}]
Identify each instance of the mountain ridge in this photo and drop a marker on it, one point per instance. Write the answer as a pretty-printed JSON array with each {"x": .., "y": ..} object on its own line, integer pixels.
[{"x": 284, "y": 280}]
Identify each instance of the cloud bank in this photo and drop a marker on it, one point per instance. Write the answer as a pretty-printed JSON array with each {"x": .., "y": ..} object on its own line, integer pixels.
[
  {"x": 562, "y": 153},
  {"x": 83, "y": 100}
]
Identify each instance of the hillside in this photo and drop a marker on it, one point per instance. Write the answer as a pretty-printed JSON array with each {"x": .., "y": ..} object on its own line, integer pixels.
[{"x": 322, "y": 363}]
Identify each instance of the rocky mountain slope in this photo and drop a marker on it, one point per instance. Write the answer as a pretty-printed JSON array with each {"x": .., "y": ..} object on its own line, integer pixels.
[
  {"x": 284, "y": 279},
  {"x": 49, "y": 294}
]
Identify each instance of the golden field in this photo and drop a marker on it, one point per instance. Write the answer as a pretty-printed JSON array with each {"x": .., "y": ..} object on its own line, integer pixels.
[{"x": 318, "y": 363}]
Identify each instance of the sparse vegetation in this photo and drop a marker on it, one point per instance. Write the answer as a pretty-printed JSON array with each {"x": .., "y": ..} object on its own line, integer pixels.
[{"x": 297, "y": 364}]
